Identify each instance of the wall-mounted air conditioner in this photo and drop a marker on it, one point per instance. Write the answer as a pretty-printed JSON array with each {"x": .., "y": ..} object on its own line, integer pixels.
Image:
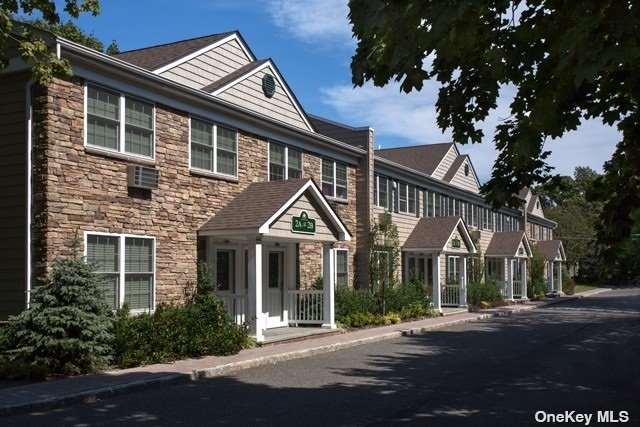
[{"x": 142, "y": 177}]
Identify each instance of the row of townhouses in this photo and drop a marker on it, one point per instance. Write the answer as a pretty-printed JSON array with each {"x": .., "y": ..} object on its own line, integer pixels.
[{"x": 162, "y": 157}]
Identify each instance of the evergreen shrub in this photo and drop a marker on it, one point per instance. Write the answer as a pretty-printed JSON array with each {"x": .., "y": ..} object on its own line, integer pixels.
[
  {"x": 568, "y": 284},
  {"x": 481, "y": 294},
  {"x": 66, "y": 331}
]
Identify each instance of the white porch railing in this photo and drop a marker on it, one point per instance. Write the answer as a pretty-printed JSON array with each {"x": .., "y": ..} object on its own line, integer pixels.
[
  {"x": 306, "y": 306},
  {"x": 236, "y": 305},
  {"x": 517, "y": 289},
  {"x": 450, "y": 295},
  {"x": 504, "y": 288}
]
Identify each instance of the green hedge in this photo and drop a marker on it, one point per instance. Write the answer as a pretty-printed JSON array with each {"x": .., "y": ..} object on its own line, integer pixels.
[
  {"x": 200, "y": 327},
  {"x": 358, "y": 308},
  {"x": 482, "y": 293}
]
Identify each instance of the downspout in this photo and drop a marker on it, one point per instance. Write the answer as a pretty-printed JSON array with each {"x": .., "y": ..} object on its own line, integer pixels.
[{"x": 29, "y": 198}]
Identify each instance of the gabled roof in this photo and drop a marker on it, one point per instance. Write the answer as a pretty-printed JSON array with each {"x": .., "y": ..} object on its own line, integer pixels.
[
  {"x": 356, "y": 136},
  {"x": 234, "y": 75},
  {"x": 550, "y": 249},
  {"x": 254, "y": 210},
  {"x": 434, "y": 233},
  {"x": 154, "y": 57},
  {"x": 532, "y": 203},
  {"x": 455, "y": 166},
  {"x": 422, "y": 158},
  {"x": 506, "y": 244}
]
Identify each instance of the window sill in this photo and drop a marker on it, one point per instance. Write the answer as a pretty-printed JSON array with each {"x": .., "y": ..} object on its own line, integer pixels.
[
  {"x": 121, "y": 156},
  {"x": 210, "y": 174},
  {"x": 338, "y": 200}
]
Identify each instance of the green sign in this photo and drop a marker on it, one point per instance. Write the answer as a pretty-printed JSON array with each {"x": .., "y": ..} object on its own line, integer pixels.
[
  {"x": 455, "y": 243},
  {"x": 303, "y": 224}
]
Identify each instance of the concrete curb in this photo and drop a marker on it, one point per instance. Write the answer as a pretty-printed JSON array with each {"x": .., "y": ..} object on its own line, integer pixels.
[{"x": 170, "y": 379}]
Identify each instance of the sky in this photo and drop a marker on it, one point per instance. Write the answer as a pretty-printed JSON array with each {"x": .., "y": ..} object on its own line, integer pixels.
[{"x": 311, "y": 43}]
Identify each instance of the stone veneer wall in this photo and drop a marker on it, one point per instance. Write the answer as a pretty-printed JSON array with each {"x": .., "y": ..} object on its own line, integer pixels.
[{"x": 78, "y": 190}]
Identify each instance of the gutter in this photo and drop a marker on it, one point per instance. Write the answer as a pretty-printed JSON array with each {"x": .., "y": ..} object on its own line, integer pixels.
[{"x": 29, "y": 198}]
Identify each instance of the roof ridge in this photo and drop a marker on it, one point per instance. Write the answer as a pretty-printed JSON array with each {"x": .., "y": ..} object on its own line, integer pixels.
[
  {"x": 178, "y": 41},
  {"x": 415, "y": 146}
]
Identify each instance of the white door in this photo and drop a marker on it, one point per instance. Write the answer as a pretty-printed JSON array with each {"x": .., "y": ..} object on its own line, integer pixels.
[{"x": 274, "y": 287}]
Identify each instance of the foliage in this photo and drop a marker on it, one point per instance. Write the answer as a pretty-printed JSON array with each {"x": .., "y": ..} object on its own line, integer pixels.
[
  {"x": 32, "y": 44},
  {"x": 481, "y": 293},
  {"x": 200, "y": 327},
  {"x": 566, "y": 61},
  {"x": 536, "y": 285},
  {"x": 475, "y": 267},
  {"x": 357, "y": 308},
  {"x": 384, "y": 254},
  {"x": 68, "y": 328},
  {"x": 568, "y": 284}
]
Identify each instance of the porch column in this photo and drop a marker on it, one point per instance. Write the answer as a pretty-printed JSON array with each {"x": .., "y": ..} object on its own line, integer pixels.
[
  {"x": 256, "y": 317},
  {"x": 510, "y": 279},
  {"x": 435, "y": 260},
  {"x": 463, "y": 283},
  {"x": 550, "y": 284},
  {"x": 560, "y": 277},
  {"x": 524, "y": 279},
  {"x": 328, "y": 286}
]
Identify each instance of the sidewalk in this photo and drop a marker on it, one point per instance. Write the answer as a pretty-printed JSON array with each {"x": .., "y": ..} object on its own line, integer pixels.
[{"x": 46, "y": 395}]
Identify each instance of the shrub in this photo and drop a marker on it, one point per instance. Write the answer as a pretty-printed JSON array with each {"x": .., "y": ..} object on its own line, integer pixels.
[
  {"x": 483, "y": 293},
  {"x": 350, "y": 301},
  {"x": 67, "y": 330},
  {"x": 568, "y": 284},
  {"x": 536, "y": 286},
  {"x": 200, "y": 327}
]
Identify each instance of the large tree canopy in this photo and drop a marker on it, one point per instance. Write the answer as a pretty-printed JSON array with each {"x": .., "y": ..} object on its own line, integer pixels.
[
  {"x": 31, "y": 45},
  {"x": 568, "y": 61}
]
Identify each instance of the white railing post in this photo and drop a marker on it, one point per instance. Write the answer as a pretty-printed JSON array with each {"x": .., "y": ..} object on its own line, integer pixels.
[
  {"x": 256, "y": 317},
  {"x": 560, "y": 277},
  {"x": 463, "y": 284},
  {"x": 510, "y": 280},
  {"x": 328, "y": 286},
  {"x": 437, "y": 304},
  {"x": 523, "y": 279}
]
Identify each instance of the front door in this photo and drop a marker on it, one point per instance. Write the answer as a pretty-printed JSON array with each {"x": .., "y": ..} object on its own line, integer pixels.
[{"x": 275, "y": 287}]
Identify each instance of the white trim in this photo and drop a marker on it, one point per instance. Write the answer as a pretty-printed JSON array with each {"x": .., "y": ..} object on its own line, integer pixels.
[
  {"x": 440, "y": 163},
  {"x": 123, "y": 96},
  {"x": 121, "y": 264},
  {"x": 343, "y": 234},
  {"x": 465, "y": 235},
  {"x": 29, "y": 196},
  {"x": 280, "y": 80},
  {"x": 214, "y": 149},
  {"x": 204, "y": 50},
  {"x": 335, "y": 255}
]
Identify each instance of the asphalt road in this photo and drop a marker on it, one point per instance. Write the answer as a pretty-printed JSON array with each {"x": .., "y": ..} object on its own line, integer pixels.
[{"x": 581, "y": 356}]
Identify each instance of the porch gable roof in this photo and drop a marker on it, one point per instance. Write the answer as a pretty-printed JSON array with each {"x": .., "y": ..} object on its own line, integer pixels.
[
  {"x": 551, "y": 250},
  {"x": 507, "y": 243},
  {"x": 262, "y": 204},
  {"x": 434, "y": 233}
]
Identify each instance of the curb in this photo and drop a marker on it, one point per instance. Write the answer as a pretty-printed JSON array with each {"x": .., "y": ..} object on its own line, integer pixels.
[{"x": 170, "y": 379}]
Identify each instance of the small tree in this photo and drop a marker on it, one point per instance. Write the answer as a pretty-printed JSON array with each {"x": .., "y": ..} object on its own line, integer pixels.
[
  {"x": 536, "y": 286},
  {"x": 68, "y": 328},
  {"x": 384, "y": 245},
  {"x": 476, "y": 264}
]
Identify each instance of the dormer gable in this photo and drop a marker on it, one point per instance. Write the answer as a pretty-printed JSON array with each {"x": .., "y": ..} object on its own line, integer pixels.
[{"x": 462, "y": 174}]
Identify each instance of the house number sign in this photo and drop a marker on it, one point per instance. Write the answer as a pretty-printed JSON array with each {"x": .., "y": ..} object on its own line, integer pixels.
[
  {"x": 303, "y": 224},
  {"x": 455, "y": 243}
]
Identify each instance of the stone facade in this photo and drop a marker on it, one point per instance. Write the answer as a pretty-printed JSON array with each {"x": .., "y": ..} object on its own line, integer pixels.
[{"x": 78, "y": 189}]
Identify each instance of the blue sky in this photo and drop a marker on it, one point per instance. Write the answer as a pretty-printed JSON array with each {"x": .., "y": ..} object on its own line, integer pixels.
[{"x": 310, "y": 42}]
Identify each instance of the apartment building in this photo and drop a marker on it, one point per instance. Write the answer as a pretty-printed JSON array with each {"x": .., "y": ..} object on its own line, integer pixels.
[{"x": 169, "y": 155}]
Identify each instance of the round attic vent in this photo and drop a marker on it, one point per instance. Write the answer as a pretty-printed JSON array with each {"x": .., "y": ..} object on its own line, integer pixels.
[{"x": 268, "y": 85}]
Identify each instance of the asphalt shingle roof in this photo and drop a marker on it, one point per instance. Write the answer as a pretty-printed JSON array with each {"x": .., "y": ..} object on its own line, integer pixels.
[
  {"x": 423, "y": 158},
  {"x": 504, "y": 243},
  {"x": 431, "y": 232},
  {"x": 154, "y": 57},
  {"x": 549, "y": 248}
]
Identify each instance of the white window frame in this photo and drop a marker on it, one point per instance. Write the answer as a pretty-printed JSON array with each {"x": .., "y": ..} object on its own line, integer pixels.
[
  {"x": 335, "y": 178},
  {"x": 378, "y": 178},
  {"x": 335, "y": 261},
  {"x": 121, "y": 265},
  {"x": 214, "y": 148},
  {"x": 121, "y": 123},
  {"x": 286, "y": 160},
  {"x": 455, "y": 261}
]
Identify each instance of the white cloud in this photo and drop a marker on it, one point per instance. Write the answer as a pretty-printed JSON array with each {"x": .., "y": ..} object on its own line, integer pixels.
[
  {"x": 313, "y": 21},
  {"x": 401, "y": 119}
]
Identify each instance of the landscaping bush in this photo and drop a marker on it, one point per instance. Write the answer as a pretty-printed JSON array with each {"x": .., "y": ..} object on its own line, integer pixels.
[
  {"x": 200, "y": 327},
  {"x": 568, "y": 284},
  {"x": 483, "y": 293},
  {"x": 66, "y": 331},
  {"x": 350, "y": 301},
  {"x": 536, "y": 285}
]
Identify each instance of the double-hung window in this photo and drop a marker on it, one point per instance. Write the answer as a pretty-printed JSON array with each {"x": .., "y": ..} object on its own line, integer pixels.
[
  {"x": 381, "y": 191},
  {"x": 284, "y": 162},
  {"x": 342, "y": 269},
  {"x": 334, "y": 179},
  {"x": 402, "y": 197},
  {"x": 126, "y": 265},
  {"x": 119, "y": 123},
  {"x": 214, "y": 148}
]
